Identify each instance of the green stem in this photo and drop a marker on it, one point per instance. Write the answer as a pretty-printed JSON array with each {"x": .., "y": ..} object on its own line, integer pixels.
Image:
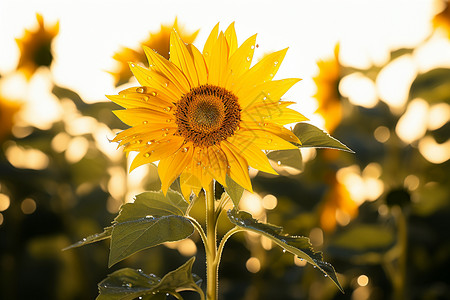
[
  {"x": 211, "y": 248},
  {"x": 224, "y": 240},
  {"x": 199, "y": 230}
]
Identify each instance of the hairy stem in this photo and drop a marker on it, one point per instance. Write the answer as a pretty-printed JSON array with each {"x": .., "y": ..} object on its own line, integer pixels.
[{"x": 211, "y": 249}]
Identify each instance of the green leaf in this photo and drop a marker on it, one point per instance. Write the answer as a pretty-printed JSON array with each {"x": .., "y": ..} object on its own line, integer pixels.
[
  {"x": 106, "y": 234},
  {"x": 311, "y": 136},
  {"x": 128, "y": 284},
  {"x": 289, "y": 158},
  {"x": 432, "y": 86},
  {"x": 141, "y": 233},
  {"x": 297, "y": 245},
  {"x": 153, "y": 204},
  {"x": 234, "y": 190}
]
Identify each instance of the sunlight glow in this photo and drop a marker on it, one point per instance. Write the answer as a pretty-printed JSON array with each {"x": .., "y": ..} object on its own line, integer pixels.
[
  {"x": 359, "y": 89},
  {"x": 4, "y": 202},
  {"x": 251, "y": 202},
  {"x": 393, "y": 82},
  {"x": 363, "y": 280},
  {"x": 28, "y": 206},
  {"x": 316, "y": 237},
  {"x": 413, "y": 124},
  {"x": 253, "y": 265},
  {"x": 438, "y": 116},
  {"x": 269, "y": 202},
  {"x": 23, "y": 158},
  {"x": 76, "y": 149},
  {"x": 434, "y": 152},
  {"x": 382, "y": 134}
]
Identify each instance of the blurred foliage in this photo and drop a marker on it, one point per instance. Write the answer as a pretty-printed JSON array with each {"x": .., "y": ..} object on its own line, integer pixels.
[{"x": 399, "y": 238}]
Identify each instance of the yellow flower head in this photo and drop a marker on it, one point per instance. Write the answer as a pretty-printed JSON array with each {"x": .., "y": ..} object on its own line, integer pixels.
[
  {"x": 206, "y": 115},
  {"x": 35, "y": 47},
  {"x": 442, "y": 19},
  {"x": 158, "y": 41},
  {"x": 327, "y": 95}
]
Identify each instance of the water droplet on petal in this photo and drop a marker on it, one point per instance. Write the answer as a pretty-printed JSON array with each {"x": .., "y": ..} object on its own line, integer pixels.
[
  {"x": 84, "y": 240},
  {"x": 147, "y": 154},
  {"x": 269, "y": 141},
  {"x": 284, "y": 250},
  {"x": 166, "y": 84},
  {"x": 184, "y": 149},
  {"x": 168, "y": 120},
  {"x": 252, "y": 47},
  {"x": 206, "y": 53},
  {"x": 145, "y": 122},
  {"x": 140, "y": 90},
  {"x": 154, "y": 93},
  {"x": 133, "y": 65},
  {"x": 279, "y": 163},
  {"x": 165, "y": 134},
  {"x": 271, "y": 75},
  {"x": 168, "y": 108},
  {"x": 248, "y": 58},
  {"x": 276, "y": 62}
]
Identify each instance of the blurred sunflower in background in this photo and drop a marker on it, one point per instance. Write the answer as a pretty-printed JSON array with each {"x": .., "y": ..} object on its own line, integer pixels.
[
  {"x": 8, "y": 110},
  {"x": 158, "y": 41},
  {"x": 442, "y": 19},
  {"x": 36, "y": 47},
  {"x": 207, "y": 115},
  {"x": 327, "y": 95}
]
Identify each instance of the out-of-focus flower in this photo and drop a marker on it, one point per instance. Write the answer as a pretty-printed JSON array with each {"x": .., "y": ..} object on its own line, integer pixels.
[
  {"x": 327, "y": 95},
  {"x": 337, "y": 206},
  {"x": 35, "y": 47},
  {"x": 158, "y": 41},
  {"x": 442, "y": 19},
  {"x": 8, "y": 109},
  {"x": 207, "y": 115}
]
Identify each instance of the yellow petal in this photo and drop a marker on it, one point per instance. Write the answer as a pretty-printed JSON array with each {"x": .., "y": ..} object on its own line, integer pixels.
[
  {"x": 138, "y": 100},
  {"x": 271, "y": 112},
  {"x": 237, "y": 167},
  {"x": 139, "y": 116},
  {"x": 240, "y": 61},
  {"x": 167, "y": 69},
  {"x": 171, "y": 167},
  {"x": 212, "y": 38},
  {"x": 263, "y": 71},
  {"x": 189, "y": 183},
  {"x": 157, "y": 151},
  {"x": 151, "y": 78},
  {"x": 278, "y": 130},
  {"x": 264, "y": 140},
  {"x": 219, "y": 60},
  {"x": 181, "y": 57},
  {"x": 144, "y": 133},
  {"x": 253, "y": 155},
  {"x": 267, "y": 92},
  {"x": 230, "y": 35},
  {"x": 217, "y": 163},
  {"x": 199, "y": 63}
]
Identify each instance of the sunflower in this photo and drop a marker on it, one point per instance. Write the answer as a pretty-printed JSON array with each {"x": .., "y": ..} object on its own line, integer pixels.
[
  {"x": 206, "y": 115},
  {"x": 442, "y": 19},
  {"x": 327, "y": 95},
  {"x": 35, "y": 47},
  {"x": 336, "y": 200},
  {"x": 158, "y": 41},
  {"x": 8, "y": 110}
]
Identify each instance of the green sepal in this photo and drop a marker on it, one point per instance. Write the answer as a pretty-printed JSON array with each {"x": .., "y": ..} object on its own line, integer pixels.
[
  {"x": 297, "y": 245},
  {"x": 128, "y": 284},
  {"x": 233, "y": 190},
  {"x": 312, "y": 137}
]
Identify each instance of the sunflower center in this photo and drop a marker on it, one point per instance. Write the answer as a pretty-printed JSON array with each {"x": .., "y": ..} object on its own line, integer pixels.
[{"x": 207, "y": 115}]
